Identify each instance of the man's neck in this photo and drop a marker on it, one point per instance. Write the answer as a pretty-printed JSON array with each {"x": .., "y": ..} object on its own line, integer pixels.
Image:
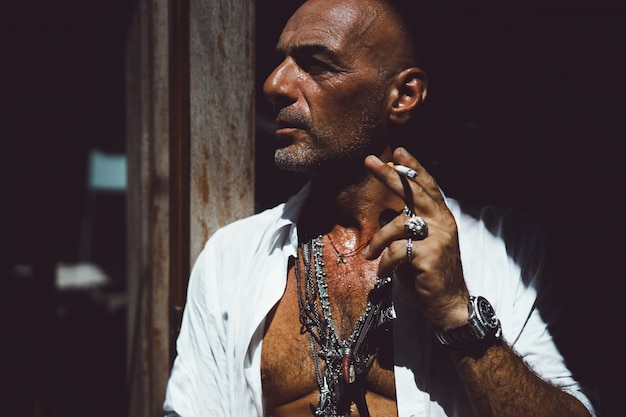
[{"x": 354, "y": 212}]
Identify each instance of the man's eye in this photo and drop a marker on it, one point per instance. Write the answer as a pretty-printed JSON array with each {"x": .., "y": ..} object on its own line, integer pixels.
[{"x": 313, "y": 66}]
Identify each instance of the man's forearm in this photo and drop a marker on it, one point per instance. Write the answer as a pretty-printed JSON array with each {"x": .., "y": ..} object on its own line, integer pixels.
[{"x": 499, "y": 383}]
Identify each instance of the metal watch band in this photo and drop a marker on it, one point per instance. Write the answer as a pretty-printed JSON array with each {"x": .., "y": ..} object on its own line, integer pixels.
[{"x": 478, "y": 332}]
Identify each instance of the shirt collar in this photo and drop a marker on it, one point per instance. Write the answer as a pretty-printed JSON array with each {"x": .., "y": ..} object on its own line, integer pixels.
[{"x": 285, "y": 230}]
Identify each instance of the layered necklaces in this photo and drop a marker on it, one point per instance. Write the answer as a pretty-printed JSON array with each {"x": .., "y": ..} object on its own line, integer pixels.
[{"x": 341, "y": 382}]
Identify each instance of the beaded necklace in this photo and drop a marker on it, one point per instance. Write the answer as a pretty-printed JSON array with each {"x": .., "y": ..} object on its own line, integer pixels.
[{"x": 347, "y": 361}]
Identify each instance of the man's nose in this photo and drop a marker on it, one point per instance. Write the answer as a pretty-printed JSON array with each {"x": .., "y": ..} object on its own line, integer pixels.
[{"x": 279, "y": 87}]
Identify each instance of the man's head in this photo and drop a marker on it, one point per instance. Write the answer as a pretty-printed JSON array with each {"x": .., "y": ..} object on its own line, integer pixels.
[{"x": 347, "y": 80}]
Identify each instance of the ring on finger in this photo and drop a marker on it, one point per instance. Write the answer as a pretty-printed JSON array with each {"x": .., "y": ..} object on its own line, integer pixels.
[{"x": 416, "y": 228}]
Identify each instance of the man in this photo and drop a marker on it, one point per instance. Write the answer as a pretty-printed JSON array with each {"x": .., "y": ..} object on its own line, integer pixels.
[{"x": 369, "y": 293}]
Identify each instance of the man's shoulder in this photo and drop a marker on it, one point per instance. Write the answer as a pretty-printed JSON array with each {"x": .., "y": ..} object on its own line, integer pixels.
[
  {"x": 282, "y": 213},
  {"x": 247, "y": 227},
  {"x": 267, "y": 222}
]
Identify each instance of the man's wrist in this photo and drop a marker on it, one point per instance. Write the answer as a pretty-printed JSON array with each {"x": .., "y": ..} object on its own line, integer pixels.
[{"x": 482, "y": 330}]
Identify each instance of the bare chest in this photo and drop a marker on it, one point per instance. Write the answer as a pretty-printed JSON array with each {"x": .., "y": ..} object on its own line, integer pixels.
[{"x": 288, "y": 369}]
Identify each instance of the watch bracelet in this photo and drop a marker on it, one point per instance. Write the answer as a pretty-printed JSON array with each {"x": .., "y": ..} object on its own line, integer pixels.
[
  {"x": 474, "y": 336},
  {"x": 475, "y": 348}
]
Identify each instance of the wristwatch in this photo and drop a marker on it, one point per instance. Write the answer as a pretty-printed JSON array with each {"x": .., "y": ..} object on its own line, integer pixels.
[{"x": 482, "y": 329}]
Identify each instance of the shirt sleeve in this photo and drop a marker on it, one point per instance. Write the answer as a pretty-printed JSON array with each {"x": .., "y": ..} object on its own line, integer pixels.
[
  {"x": 538, "y": 307},
  {"x": 196, "y": 386}
]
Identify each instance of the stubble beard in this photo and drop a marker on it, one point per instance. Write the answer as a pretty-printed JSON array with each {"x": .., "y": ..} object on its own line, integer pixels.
[{"x": 328, "y": 152}]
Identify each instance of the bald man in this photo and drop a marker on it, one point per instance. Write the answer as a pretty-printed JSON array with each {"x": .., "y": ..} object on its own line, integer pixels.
[{"x": 369, "y": 293}]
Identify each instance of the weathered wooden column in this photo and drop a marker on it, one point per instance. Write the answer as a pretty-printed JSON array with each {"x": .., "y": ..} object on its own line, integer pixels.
[
  {"x": 190, "y": 135},
  {"x": 222, "y": 114}
]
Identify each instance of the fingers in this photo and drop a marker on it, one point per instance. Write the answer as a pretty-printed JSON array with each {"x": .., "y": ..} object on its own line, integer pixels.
[
  {"x": 389, "y": 234},
  {"x": 424, "y": 179},
  {"x": 424, "y": 185},
  {"x": 429, "y": 263},
  {"x": 396, "y": 254}
]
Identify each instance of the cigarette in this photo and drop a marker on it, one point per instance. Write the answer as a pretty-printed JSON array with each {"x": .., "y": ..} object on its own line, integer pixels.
[{"x": 402, "y": 170}]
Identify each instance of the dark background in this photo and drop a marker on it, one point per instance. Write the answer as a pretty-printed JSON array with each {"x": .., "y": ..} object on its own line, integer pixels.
[
  {"x": 63, "y": 352},
  {"x": 525, "y": 110}
]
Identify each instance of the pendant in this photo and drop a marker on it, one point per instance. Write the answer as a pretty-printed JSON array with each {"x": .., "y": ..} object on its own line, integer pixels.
[
  {"x": 347, "y": 367},
  {"x": 324, "y": 392},
  {"x": 341, "y": 259},
  {"x": 352, "y": 373}
]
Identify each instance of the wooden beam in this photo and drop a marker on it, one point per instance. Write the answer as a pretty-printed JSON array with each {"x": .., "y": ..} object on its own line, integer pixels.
[{"x": 190, "y": 152}]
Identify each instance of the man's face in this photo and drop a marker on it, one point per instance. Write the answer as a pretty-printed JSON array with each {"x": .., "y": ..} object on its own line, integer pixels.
[{"x": 328, "y": 92}]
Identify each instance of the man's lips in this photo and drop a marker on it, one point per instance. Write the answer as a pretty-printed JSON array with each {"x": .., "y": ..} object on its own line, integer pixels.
[
  {"x": 286, "y": 131},
  {"x": 288, "y": 123}
]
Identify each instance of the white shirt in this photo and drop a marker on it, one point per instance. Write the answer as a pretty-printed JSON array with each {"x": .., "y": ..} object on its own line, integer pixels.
[{"x": 241, "y": 273}]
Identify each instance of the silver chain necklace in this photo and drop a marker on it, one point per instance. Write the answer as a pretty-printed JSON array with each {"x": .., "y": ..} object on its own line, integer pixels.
[{"x": 347, "y": 361}]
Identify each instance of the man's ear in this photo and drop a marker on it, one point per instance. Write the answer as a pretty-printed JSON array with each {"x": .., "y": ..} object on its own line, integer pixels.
[{"x": 407, "y": 91}]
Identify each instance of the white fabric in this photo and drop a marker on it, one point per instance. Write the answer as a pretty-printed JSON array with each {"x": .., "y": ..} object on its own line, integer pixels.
[{"x": 241, "y": 274}]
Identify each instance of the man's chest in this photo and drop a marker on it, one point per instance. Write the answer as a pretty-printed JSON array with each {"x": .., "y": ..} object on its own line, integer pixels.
[{"x": 291, "y": 366}]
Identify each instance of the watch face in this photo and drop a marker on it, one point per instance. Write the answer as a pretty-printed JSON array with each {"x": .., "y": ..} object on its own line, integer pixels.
[{"x": 486, "y": 313}]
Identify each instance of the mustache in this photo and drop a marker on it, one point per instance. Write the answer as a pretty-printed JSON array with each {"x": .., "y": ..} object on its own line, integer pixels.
[{"x": 289, "y": 118}]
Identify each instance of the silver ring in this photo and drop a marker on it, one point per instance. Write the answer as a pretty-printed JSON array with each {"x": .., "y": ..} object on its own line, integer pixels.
[
  {"x": 416, "y": 228},
  {"x": 409, "y": 250}
]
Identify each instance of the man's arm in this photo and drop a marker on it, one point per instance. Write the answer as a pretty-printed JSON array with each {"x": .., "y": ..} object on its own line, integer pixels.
[{"x": 499, "y": 383}]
